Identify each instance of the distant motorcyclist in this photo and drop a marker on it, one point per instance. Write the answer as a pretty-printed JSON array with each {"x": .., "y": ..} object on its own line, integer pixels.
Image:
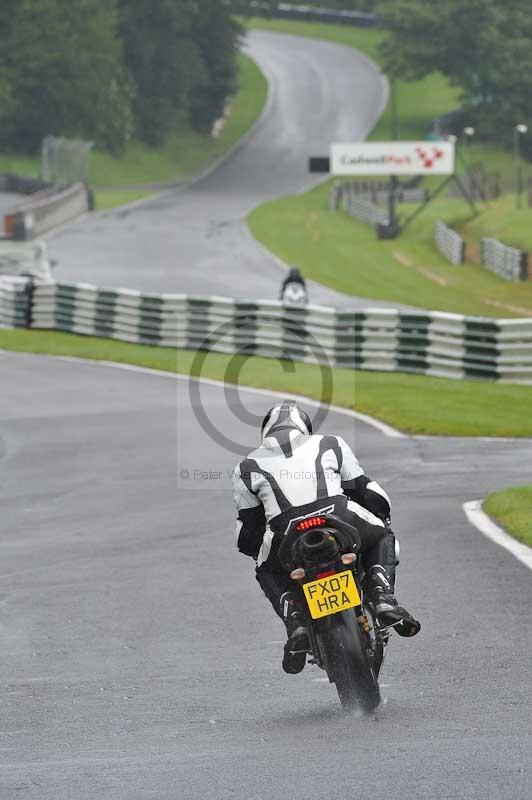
[
  {"x": 290, "y": 474},
  {"x": 294, "y": 288}
]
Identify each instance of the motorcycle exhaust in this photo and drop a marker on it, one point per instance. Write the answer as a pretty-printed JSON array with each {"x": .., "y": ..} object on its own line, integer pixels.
[{"x": 318, "y": 546}]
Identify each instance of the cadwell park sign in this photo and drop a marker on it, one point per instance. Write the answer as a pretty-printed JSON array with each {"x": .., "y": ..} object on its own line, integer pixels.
[{"x": 392, "y": 158}]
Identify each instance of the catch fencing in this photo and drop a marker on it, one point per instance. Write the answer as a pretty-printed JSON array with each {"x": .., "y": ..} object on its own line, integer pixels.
[
  {"x": 65, "y": 162},
  {"x": 508, "y": 262},
  {"x": 449, "y": 243},
  {"x": 428, "y": 343}
]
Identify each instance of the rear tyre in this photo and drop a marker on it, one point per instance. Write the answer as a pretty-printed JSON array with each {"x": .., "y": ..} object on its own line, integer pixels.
[{"x": 348, "y": 663}]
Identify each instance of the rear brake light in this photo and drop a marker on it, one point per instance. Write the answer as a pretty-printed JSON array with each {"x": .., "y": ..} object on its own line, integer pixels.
[
  {"x": 310, "y": 522},
  {"x": 326, "y": 574}
]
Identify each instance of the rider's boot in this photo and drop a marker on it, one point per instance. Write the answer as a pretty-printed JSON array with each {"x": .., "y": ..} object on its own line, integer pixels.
[
  {"x": 380, "y": 586},
  {"x": 296, "y": 648}
]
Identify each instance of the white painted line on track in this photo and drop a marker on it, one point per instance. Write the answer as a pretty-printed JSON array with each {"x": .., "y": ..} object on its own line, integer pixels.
[
  {"x": 385, "y": 429},
  {"x": 483, "y": 523},
  {"x": 382, "y": 427}
]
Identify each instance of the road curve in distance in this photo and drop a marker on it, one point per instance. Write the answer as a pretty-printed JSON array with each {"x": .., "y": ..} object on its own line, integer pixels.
[{"x": 196, "y": 241}]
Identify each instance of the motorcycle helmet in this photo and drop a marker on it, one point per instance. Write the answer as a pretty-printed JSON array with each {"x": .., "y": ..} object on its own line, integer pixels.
[{"x": 286, "y": 416}]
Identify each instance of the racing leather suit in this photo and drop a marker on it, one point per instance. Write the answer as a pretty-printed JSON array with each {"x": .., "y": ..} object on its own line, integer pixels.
[{"x": 291, "y": 475}]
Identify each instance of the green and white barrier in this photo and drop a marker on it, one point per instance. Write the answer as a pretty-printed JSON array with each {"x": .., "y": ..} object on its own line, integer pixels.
[{"x": 425, "y": 342}]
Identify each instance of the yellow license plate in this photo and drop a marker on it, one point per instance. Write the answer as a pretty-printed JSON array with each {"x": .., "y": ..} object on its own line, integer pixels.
[{"x": 330, "y": 595}]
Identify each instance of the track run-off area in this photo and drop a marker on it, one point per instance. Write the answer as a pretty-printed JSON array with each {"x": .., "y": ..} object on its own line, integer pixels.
[{"x": 140, "y": 660}]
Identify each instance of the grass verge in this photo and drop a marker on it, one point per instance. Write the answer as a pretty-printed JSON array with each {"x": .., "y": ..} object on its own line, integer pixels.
[
  {"x": 183, "y": 155},
  {"x": 111, "y": 198},
  {"x": 512, "y": 508},
  {"x": 501, "y": 220},
  {"x": 334, "y": 249},
  {"x": 412, "y": 403}
]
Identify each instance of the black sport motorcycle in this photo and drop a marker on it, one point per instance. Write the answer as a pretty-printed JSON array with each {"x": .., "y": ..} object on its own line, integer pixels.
[{"x": 321, "y": 553}]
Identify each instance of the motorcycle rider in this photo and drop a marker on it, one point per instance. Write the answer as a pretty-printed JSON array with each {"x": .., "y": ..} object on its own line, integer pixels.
[
  {"x": 294, "y": 288},
  {"x": 291, "y": 474}
]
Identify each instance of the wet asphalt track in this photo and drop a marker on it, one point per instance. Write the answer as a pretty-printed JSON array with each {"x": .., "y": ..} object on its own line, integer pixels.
[
  {"x": 196, "y": 241},
  {"x": 139, "y": 659}
]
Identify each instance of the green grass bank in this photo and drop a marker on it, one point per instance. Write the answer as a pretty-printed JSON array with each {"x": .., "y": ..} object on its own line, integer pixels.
[
  {"x": 512, "y": 509},
  {"x": 111, "y": 198},
  {"x": 412, "y": 403},
  {"x": 334, "y": 249}
]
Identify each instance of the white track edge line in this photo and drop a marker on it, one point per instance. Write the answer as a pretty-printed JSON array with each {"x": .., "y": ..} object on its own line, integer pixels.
[
  {"x": 480, "y": 520},
  {"x": 382, "y": 427}
]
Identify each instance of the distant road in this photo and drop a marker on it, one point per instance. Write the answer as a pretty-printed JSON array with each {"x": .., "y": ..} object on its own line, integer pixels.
[{"x": 196, "y": 240}]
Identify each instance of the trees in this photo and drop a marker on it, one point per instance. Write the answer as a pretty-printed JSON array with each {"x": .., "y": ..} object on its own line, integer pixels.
[
  {"x": 162, "y": 60},
  {"x": 109, "y": 69},
  {"x": 218, "y": 45},
  {"x": 62, "y": 73},
  {"x": 181, "y": 57},
  {"x": 483, "y": 46}
]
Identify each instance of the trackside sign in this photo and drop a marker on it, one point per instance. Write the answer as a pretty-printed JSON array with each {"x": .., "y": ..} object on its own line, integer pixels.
[{"x": 392, "y": 158}]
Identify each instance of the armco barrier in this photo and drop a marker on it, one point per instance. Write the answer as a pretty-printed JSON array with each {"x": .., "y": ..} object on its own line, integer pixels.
[
  {"x": 46, "y": 210},
  {"x": 508, "y": 262},
  {"x": 377, "y": 192},
  {"x": 359, "y": 19},
  {"x": 449, "y": 243},
  {"x": 363, "y": 209},
  {"x": 429, "y": 343}
]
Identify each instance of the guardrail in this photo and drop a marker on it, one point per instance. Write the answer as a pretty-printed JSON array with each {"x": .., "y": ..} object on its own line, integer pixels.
[
  {"x": 429, "y": 343},
  {"x": 508, "y": 262},
  {"x": 449, "y": 243},
  {"x": 46, "y": 210},
  {"x": 357, "y": 205},
  {"x": 376, "y": 192},
  {"x": 358, "y": 19}
]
